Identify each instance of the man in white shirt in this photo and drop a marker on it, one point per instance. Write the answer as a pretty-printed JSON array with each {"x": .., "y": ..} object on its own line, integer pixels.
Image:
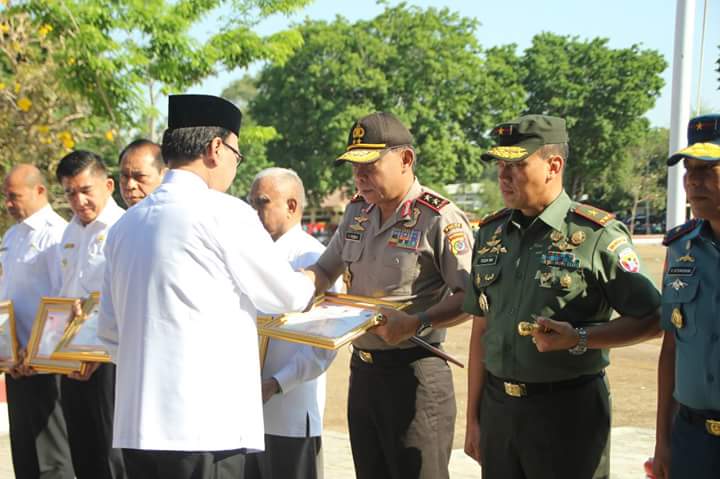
[
  {"x": 188, "y": 267},
  {"x": 141, "y": 170},
  {"x": 38, "y": 437},
  {"x": 293, "y": 375},
  {"x": 88, "y": 400}
]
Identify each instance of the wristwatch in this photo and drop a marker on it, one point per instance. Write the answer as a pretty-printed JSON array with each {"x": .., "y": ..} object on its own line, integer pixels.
[
  {"x": 581, "y": 345},
  {"x": 425, "y": 323}
]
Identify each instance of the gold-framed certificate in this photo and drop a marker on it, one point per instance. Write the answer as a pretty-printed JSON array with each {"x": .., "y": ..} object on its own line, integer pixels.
[
  {"x": 52, "y": 320},
  {"x": 332, "y": 321},
  {"x": 8, "y": 339},
  {"x": 80, "y": 341},
  {"x": 263, "y": 341}
]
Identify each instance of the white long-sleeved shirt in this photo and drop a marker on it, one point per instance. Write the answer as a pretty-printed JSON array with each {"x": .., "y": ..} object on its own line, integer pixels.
[
  {"x": 82, "y": 252},
  {"x": 28, "y": 266},
  {"x": 187, "y": 269},
  {"x": 298, "y": 369}
]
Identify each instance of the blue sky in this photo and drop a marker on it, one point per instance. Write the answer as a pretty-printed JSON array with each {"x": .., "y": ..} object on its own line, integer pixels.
[{"x": 650, "y": 23}]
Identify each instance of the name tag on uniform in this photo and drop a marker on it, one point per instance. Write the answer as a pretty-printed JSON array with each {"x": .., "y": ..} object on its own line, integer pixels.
[
  {"x": 353, "y": 236},
  {"x": 487, "y": 260},
  {"x": 681, "y": 271},
  {"x": 404, "y": 238}
]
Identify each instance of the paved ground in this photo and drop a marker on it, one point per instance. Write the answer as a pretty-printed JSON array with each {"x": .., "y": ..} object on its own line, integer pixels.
[{"x": 630, "y": 448}]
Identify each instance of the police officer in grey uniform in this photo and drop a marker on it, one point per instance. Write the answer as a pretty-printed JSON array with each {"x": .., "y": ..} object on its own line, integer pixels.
[
  {"x": 403, "y": 242},
  {"x": 688, "y": 419}
]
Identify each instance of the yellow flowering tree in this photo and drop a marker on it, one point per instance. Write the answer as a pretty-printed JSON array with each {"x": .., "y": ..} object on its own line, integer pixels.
[{"x": 41, "y": 119}]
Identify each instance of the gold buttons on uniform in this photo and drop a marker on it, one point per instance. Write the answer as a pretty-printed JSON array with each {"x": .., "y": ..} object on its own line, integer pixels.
[
  {"x": 577, "y": 238},
  {"x": 565, "y": 281}
]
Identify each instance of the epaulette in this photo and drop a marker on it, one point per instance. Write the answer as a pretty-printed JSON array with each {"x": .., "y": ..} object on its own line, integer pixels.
[
  {"x": 357, "y": 198},
  {"x": 679, "y": 231},
  {"x": 432, "y": 201},
  {"x": 494, "y": 215},
  {"x": 596, "y": 215}
]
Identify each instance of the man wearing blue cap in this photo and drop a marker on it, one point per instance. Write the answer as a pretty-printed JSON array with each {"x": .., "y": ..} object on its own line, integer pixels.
[
  {"x": 187, "y": 269},
  {"x": 688, "y": 419}
]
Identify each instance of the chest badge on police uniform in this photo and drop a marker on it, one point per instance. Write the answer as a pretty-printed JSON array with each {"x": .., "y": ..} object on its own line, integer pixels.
[
  {"x": 676, "y": 318},
  {"x": 556, "y": 236},
  {"x": 565, "y": 281},
  {"x": 686, "y": 259}
]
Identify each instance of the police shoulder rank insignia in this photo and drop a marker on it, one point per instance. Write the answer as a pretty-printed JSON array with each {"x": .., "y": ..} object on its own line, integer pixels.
[
  {"x": 680, "y": 231},
  {"x": 432, "y": 201},
  {"x": 404, "y": 238},
  {"x": 596, "y": 215},
  {"x": 628, "y": 260}
]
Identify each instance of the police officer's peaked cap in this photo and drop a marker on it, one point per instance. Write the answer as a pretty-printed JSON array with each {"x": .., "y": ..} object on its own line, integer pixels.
[
  {"x": 188, "y": 111},
  {"x": 703, "y": 140},
  {"x": 519, "y": 138},
  {"x": 371, "y": 135}
]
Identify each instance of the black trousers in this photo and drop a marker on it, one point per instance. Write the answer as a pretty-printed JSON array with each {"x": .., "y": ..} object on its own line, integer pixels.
[
  {"x": 553, "y": 435},
  {"x": 183, "y": 465},
  {"x": 401, "y": 419},
  {"x": 695, "y": 454},
  {"x": 286, "y": 458},
  {"x": 38, "y": 437},
  {"x": 88, "y": 407}
]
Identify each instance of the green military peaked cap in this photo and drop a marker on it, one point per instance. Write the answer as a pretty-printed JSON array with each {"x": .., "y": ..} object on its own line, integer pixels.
[{"x": 519, "y": 138}]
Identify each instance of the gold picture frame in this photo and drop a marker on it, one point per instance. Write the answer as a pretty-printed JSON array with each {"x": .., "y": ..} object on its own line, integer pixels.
[
  {"x": 8, "y": 336},
  {"x": 263, "y": 341},
  {"x": 331, "y": 322},
  {"x": 53, "y": 317},
  {"x": 80, "y": 341}
]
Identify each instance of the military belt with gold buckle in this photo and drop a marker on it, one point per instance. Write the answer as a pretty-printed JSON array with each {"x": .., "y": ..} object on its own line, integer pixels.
[
  {"x": 515, "y": 390},
  {"x": 704, "y": 418},
  {"x": 365, "y": 356},
  {"x": 712, "y": 427}
]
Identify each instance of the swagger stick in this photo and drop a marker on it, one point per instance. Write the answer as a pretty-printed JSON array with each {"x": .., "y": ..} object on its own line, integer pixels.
[{"x": 436, "y": 351}]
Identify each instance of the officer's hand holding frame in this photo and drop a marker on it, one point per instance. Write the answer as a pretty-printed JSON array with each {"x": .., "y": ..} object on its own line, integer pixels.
[{"x": 80, "y": 341}]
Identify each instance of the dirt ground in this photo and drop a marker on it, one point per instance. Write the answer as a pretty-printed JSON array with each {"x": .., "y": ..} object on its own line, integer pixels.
[{"x": 632, "y": 373}]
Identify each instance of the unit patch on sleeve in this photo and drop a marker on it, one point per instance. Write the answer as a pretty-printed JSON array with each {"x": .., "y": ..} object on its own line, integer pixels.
[{"x": 629, "y": 260}]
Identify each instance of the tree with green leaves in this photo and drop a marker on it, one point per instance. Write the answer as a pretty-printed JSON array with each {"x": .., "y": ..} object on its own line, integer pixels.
[
  {"x": 603, "y": 94},
  {"x": 123, "y": 54},
  {"x": 425, "y": 66}
]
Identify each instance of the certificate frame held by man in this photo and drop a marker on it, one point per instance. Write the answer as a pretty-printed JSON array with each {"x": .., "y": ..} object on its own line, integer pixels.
[
  {"x": 51, "y": 322},
  {"x": 8, "y": 339},
  {"x": 332, "y": 321},
  {"x": 80, "y": 341}
]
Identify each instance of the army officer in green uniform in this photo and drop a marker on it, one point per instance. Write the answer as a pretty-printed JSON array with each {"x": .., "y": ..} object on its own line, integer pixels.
[
  {"x": 547, "y": 273},
  {"x": 398, "y": 241},
  {"x": 688, "y": 422}
]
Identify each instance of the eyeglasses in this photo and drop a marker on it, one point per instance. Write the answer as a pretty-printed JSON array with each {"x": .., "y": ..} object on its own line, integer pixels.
[{"x": 239, "y": 158}]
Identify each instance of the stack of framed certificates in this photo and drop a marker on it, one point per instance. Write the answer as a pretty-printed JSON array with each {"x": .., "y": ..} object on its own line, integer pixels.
[
  {"x": 62, "y": 341},
  {"x": 332, "y": 321}
]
